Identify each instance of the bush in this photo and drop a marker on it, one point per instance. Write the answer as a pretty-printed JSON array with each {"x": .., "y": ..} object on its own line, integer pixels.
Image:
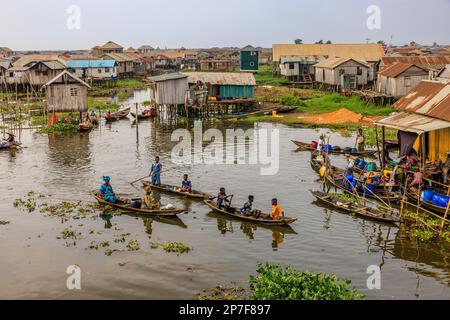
[
  {"x": 274, "y": 282},
  {"x": 59, "y": 128}
]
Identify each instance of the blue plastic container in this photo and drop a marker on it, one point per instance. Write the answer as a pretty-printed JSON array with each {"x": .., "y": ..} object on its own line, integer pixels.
[
  {"x": 362, "y": 164},
  {"x": 354, "y": 150},
  {"x": 440, "y": 200},
  {"x": 369, "y": 189},
  {"x": 427, "y": 195},
  {"x": 328, "y": 147}
]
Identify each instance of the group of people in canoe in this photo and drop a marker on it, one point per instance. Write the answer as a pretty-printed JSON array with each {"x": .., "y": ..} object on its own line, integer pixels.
[
  {"x": 10, "y": 141},
  {"x": 223, "y": 201}
]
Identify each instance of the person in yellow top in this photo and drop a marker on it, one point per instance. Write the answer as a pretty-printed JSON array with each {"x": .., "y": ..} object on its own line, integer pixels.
[
  {"x": 148, "y": 202},
  {"x": 276, "y": 210}
]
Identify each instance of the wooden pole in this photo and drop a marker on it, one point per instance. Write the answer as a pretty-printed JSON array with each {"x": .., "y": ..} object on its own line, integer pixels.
[{"x": 383, "y": 147}]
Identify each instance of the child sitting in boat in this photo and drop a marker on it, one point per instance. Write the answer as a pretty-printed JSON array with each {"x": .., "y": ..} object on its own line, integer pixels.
[
  {"x": 223, "y": 201},
  {"x": 247, "y": 209},
  {"x": 8, "y": 142},
  {"x": 186, "y": 185},
  {"x": 276, "y": 210}
]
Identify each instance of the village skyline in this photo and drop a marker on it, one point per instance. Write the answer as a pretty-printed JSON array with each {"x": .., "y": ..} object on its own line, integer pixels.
[{"x": 78, "y": 25}]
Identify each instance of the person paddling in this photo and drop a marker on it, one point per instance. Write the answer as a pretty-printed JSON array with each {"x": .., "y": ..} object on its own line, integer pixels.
[{"x": 155, "y": 172}]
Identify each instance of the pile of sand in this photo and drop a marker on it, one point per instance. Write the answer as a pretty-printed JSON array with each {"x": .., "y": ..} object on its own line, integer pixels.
[{"x": 340, "y": 116}]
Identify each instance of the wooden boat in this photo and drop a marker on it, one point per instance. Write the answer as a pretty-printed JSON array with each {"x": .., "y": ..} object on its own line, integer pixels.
[
  {"x": 412, "y": 194},
  {"x": 354, "y": 208},
  {"x": 263, "y": 219},
  {"x": 307, "y": 147},
  {"x": 286, "y": 109},
  {"x": 85, "y": 128},
  {"x": 16, "y": 145},
  {"x": 143, "y": 116},
  {"x": 173, "y": 189},
  {"x": 121, "y": 114},
  {"x": 338, "y": 180},
  {"x": 128, "y": 207}
]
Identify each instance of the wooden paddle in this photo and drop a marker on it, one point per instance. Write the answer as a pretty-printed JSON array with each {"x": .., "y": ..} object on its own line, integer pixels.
[{"x": 139, "y": 179}]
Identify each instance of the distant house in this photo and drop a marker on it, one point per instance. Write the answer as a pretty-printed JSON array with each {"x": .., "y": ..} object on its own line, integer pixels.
[
  {"x": 399, "y": 78},
  {"x": 370, "y": 53},
  {"x": 126, "y": 64},
  {"x": 299, "y": 68},
  {"x": 342, "y": 73},
  {"x": 109, "y": 47},
  {"x": 4, "y": 66},
  {"x": 225, "y": 85},
  {"x": 249, "y": 59},
  {"x": 190, "y": 59},
  {"x": 94, "y": 69},
  {"x": 145, "y": 49},
  {"x": 169, "y": 89},
  {"x": 34, "y": 73},
  {"x": 6, "y": 52},
  {"x": 169, "y": 60},
  {"x": 433, "y": 63},
  {"x": 66, "y": 93},
  {"x": 212, "y": 63}
]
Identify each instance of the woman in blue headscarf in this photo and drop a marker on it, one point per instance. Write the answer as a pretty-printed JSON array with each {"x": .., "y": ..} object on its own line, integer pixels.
[
  {"x": 107, "y": 192},
  {"x": 155, "y": 172}
]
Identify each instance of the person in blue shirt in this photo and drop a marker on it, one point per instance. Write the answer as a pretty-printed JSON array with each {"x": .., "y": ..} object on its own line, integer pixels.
[
  {"x": 106, "y": 191},
  {"x": 155, "y": 172},
  {"x": 186, "y": 185}
]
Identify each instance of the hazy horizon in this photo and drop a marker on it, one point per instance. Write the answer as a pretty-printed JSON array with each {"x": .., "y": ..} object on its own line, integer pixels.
[{"x": 42, "y": 25}]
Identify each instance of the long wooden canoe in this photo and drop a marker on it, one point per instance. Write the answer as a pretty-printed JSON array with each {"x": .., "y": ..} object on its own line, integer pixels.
[
  {"x": 144, "y": 116},
  {"x": 173, "y": 189},
  {"x": 354, "y": 208},
  {"x": 128, "y": 207},
  {"x": 121, "y": 114},
  {"x": 338, "y": 180},
  {"x": 411, "y": 193},
  {"x": 264, "y": 219},
  {"x": 84, "y": 128},
  {"x": 307, "y": 147}
]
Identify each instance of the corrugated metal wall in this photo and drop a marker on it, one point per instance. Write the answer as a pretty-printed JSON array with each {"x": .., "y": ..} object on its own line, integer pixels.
[
  {"x": 229, "y": 91},
  {"x": 171, "y": 91}
]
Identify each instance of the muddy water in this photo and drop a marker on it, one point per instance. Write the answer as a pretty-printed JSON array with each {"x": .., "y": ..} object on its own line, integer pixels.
[{"x": 33, "y": 261}]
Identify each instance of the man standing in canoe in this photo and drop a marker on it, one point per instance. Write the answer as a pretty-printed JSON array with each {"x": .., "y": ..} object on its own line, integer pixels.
[{"x": 155, "y": 172}]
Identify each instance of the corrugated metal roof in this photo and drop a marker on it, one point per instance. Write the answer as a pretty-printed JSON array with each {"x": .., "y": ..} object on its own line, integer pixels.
[
  {"x": 332, "y": 63},
  {"x": 54, "y": 65},
  {"x": 67, "y": 74},
  {"x": 91, "y": 64},
  {"x": 223, "y": 78},
  {"x": 166, "y": 77},
  {"x": 5, "y": 64},
  {"x": 413, "y": 122},
  {"x": 370, "y": 52},
  {"x": 27, "y": 59},
  {"x": 396, "y": 69},
  {"x": 249, "y": 48},
  {"x": 433, "y": 62},
  {"x": 119, "y": 57},
  {"x": 431, "y": 98},
  {"x": 111, "y": 45}
]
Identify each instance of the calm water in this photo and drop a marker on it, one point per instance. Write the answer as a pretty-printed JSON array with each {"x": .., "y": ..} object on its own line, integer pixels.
[{"x": 33, "y": 261}]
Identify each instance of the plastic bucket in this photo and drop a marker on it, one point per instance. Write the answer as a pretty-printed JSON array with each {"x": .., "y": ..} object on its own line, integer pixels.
[
  {"x": 362, "y": 164},
  {"x": 371, "y": 166}
]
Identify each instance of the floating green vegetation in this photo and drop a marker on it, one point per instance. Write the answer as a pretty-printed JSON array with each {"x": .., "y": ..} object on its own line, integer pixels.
[
  {"x": 177, "y": 247},
  {"x": 96, "y": 245},
  {"x": 3, "y": 222},
  {"x": 123, "y": 95},
  {"x": 95, "y": 103},
  {"x": 70, "y": 234},
  {"x": 347, "y": 197},
  {"x": 28, "y": 204},
  {"x": 275, "y": 282},
  {"x": 59, "y": 128},
  {"x": 423, "y": 234},
  {"x": 121, "y": 238},
  {"x": 425, "y": 228},
  {"x": 109, "y": 252},
  {"x": 133, "y": 245}
]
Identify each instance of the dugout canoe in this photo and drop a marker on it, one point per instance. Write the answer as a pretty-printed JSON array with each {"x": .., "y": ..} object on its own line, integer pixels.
[
  {"x": 412, "y": 195},
  {"x": 173, "y": 189},
  {"x": 263, "y": 219},
  {"x": 121, "y": 114},
  {"x": 303, "y": 146},
  {"x": 357, "y": 209},
  {"x": 146, "y": 212},
  {"x": 143, "y": 116}
]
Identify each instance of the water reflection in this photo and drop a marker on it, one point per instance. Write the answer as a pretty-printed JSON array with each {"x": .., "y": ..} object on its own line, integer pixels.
[{"x": 173, "y": 221}]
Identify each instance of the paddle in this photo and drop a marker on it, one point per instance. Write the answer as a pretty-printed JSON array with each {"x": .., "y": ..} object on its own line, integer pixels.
[{"x": 139, "y": 179}]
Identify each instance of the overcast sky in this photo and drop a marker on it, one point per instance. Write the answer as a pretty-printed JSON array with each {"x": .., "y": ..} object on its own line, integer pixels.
[{"x": 42, "y": 24}]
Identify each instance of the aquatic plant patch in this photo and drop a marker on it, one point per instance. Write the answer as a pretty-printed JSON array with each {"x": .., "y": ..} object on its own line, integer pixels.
[
  {"x": 3, "y": 222},
  {"x": 176, "y": 247}
]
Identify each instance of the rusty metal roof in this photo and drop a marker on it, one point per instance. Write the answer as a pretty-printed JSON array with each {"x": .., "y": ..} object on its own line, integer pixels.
[
  {"x": 431, "y": 62},
  {"x": 222, "y": 78},
  {"x": 370, "y": 52},
  {"x": 431, "y": 98},
  {"x": 413, "y": 122},
  {"x": 397, "y": 68}
]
